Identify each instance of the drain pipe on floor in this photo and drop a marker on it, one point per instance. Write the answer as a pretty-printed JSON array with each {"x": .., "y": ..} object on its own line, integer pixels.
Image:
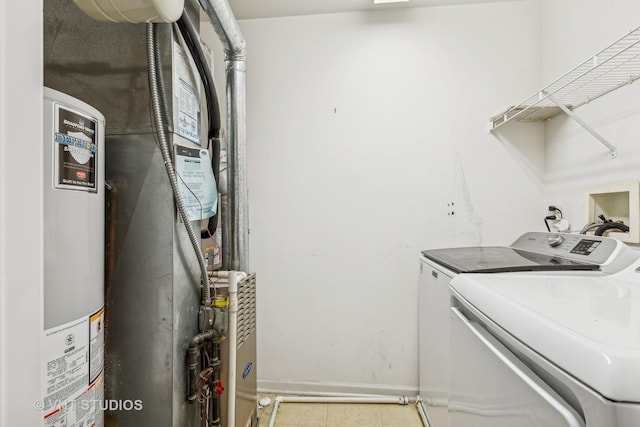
[
  {"x": 422, "y": 413},
  {"x": 400, "y": 400}
]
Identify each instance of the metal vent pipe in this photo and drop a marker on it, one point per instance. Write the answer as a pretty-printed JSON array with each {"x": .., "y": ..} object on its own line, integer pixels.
[{"x": 235, "y": 216}]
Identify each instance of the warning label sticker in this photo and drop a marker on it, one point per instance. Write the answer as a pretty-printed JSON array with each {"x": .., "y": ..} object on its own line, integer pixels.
[
  {"x": 96, "y": 348},
  {"x": 86, "y": 410},
  {"x": 75, "y": 150},
  {"x": 188, "y": 104},
  {"x": 72, "y": 379},
  {"x": 188, "y": 112},
  {"x": 66, "y": 364}
]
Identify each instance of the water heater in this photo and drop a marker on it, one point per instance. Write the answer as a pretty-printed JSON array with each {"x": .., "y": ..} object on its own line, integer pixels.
[{"x": 74, "y": 194}]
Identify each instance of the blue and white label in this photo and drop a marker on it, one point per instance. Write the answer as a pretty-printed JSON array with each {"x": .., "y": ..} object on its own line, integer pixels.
[
  {"x": 188, "y": 109},
  {"x": 75, "y": 150},
  {"x": 75, "y": 142},
  {"x": 196, "y": 182},
  {"x": 247, "y": 370}
]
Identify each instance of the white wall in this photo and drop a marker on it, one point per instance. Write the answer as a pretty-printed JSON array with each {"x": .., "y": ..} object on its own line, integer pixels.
[
  {"x": 363, "y": 129},
  {"x": 21, "y": 258},
  {"x": 575, "y": 160}
]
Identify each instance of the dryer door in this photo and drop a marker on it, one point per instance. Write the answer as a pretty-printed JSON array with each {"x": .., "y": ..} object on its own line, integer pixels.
[{"x": 490, "y": 387}]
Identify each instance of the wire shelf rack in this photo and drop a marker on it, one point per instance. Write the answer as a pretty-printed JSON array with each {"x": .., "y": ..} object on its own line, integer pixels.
[{"x": 614, "y": 66}]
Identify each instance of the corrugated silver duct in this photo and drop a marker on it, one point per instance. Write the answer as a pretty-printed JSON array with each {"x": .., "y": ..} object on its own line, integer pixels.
[
  {"x": 158, "y": 106},
  {"x": 235, "y": 215}
]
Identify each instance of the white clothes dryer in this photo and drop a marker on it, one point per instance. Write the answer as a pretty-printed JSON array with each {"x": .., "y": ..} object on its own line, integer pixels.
[
  {"x": 449, "y": 321},
  {"x": 545, "y": 350}
]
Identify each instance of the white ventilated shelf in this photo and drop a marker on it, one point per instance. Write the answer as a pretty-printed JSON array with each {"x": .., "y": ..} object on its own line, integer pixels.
[{"x": 611, "y": 68}]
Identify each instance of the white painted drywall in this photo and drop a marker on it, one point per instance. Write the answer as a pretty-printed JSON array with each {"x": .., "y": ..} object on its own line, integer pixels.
[
  {"x": 365, "y": 131},
  {"x": 21, "y": 258},
  {"x": 574, "y": 30}
]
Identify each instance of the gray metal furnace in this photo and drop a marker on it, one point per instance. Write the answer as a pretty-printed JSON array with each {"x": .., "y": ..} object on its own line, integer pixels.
[{"x": 245, "y": 378}]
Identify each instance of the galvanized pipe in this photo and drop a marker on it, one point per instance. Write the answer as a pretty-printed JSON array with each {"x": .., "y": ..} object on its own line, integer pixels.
[
  {"x": 237, "y": 166},
  {"x": 235, "y": 218},
  {"x": 225, "y": 24}
]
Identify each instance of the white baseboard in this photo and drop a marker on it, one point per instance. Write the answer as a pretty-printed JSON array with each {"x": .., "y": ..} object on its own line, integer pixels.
[{"x": 328, "y": 388}]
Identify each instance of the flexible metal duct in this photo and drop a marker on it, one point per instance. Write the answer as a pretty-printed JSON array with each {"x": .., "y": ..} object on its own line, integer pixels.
[
  {"x": 235, "y": 216},
  {"x": 165, "y": 149}
]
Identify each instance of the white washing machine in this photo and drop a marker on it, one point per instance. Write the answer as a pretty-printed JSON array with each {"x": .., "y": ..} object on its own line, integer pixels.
[{"x": 475, "y": 371}]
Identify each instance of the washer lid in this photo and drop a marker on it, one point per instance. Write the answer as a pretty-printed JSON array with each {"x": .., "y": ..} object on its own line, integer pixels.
[
  {"x": 498, "y": 259},
  {"x": 535, "y": 251},
  {"x": 588, "y": 325}
]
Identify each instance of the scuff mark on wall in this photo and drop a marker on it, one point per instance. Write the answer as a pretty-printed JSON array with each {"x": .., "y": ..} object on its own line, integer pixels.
[{"x": 475, "y": 220}]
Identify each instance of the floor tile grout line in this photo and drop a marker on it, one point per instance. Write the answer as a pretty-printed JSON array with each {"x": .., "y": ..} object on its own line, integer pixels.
[
  {"x": 383, "y": 416},
  {"x": 326, "y": 415}
]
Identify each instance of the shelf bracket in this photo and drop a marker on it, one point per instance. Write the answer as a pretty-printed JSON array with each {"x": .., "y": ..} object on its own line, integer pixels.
[{"x": 613, "y": 153}]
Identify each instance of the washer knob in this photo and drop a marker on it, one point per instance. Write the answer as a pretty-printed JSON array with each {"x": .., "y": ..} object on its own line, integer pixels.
[{"x": 555, "y": 241}]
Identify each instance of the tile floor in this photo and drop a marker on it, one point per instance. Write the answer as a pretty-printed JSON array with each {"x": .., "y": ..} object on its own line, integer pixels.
[{"x": 341, "y": 415}]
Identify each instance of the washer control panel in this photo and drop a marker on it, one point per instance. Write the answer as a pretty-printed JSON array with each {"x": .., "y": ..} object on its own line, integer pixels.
[{"x": 579, "y": 247}]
